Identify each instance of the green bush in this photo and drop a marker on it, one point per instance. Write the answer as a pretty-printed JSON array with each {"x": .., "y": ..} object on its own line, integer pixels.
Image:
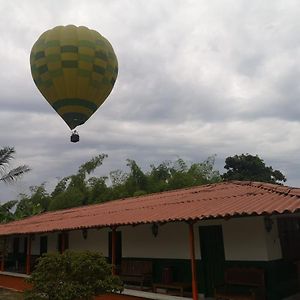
[{"x": 72, "y": 276}]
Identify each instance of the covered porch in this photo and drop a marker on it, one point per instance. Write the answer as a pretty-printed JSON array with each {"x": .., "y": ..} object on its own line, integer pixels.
[
  {"x": 120, "y": 245},
  {"x": 187, "y": 259}
]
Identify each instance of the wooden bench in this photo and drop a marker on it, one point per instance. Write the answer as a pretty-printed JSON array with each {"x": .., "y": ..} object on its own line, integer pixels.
[
  {"x": 177, "y": 286},
  {"x": 136, "y": 271},
  {"x": 242, "y": 284}
]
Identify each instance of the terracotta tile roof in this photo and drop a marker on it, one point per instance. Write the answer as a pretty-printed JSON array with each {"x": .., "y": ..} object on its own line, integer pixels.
[{"x": 221, "y": 200}]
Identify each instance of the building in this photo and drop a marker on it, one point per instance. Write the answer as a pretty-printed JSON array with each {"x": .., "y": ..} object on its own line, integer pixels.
[{"x": 190, "y": 235}]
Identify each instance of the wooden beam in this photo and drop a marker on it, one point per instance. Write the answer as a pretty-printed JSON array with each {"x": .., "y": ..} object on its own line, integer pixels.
[
  {"x": 28, "y": 256},
  {"x": 193, "y": 261},
  {"x": 113, "y": 250}
]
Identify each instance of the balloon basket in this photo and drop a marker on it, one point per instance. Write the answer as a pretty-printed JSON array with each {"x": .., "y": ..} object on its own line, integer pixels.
[{"x": 74, "y": 137}]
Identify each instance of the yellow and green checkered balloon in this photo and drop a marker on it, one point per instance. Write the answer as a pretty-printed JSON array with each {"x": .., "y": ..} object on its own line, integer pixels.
[{"x": 75, "y": 69}]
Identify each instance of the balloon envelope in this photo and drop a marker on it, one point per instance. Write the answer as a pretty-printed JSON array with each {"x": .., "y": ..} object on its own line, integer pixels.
[{"x": 75, "y": 69}]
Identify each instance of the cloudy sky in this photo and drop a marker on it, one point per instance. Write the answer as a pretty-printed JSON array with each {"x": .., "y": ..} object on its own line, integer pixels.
[{"x": 196, "y": 78}]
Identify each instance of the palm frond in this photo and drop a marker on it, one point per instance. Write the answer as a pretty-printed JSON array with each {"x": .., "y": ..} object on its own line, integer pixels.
[
  {"x": 14, "y": 174},
  {"x": 6, "y": 154}
]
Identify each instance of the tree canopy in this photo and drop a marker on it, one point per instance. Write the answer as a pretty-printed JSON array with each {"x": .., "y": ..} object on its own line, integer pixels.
[
  {"x": 249, "y": 167},
  {"x": 83, "y": 188}
]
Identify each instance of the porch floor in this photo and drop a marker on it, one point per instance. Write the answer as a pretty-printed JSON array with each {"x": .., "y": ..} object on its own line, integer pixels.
[{"x": 134, "y": 291}]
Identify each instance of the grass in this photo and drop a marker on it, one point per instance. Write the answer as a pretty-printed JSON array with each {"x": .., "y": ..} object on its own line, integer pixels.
[{"x": 9, "y": 295}]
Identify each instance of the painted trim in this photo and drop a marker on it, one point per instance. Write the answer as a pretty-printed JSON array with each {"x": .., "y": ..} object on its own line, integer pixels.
[
  {"x": 14, "y": 282},
  {"x": 117, "y": 297}
]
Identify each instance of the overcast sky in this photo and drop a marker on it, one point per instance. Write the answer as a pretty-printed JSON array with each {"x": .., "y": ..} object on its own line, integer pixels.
[{"x": 196, "y": 78}]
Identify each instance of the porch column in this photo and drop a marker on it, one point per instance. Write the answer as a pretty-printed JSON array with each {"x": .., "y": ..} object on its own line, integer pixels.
[
  {"x": 113, "y": 250},
  {"x": 193, "y": 262},
  {"x": 28, "y": 256}
]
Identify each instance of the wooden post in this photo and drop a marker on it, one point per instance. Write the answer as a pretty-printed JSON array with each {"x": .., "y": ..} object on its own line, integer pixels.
[
  {"x": 28, "y": 256},
  {"x": 113, "y": 250},
  {"x": 193, "y": 262}
]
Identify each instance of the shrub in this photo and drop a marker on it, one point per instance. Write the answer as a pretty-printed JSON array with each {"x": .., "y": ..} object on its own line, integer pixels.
[{"x": 72, "y": 276}]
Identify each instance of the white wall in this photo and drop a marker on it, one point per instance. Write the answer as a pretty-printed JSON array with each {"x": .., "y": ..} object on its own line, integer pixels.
[
  {"x": 273, "y": 242},
  {"x": 52, "y": 243},
  {"x": 244, "y": 239},
  {"x": 172, "y": 241},
  {"x": 97, "y": 240}
]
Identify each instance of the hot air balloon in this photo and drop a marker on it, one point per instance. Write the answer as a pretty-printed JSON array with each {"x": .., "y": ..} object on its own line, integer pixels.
[{"x": 75, "y": 69}]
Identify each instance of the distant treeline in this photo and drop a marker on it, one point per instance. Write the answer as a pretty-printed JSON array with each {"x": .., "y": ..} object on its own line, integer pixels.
[{"x": 82, "y": 188}]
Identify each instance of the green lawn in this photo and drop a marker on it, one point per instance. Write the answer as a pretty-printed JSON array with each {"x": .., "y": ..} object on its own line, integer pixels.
[{"x": 9, "y": 295}]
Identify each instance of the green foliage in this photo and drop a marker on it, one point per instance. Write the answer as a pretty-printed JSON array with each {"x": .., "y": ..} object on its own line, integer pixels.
[
  {"x": 249, "y": 167},
  {"x": 60, "y": 187},
  {"x": 34, "y": 204},
  {"x": 74, "y": 190},
  {"x": 179, "y": 174},
  {"x": 98, "y": 190},
  {"x": 91, "y": 165},
  {"x": 6, "y": 213},
  {"x": 81, "y": 188},
  {"x": 72, "y": 197},
  {"x": 72, "y": 276},
  {"x": 137, "y": 180}
]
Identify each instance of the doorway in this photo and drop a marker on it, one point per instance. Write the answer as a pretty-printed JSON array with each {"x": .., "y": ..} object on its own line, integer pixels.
[
  {"x": 118, "y": 249},
  {"x": 213, "y": 257}
]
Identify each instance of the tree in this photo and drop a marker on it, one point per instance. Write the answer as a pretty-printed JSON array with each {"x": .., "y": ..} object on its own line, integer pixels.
[
  {"x": 183, "y": 175},
  {"x": 9, "y": 176},
  {"x": 74, "y": 190},
  {"x": 6, "y": 213},
  {"x": 136, "y": 183},
  {"x": 34, "y": 204},
  {"x": 72, "y": 276},
  {"x": 249, "y": 167},
  {"x": 6, "y": 155}
]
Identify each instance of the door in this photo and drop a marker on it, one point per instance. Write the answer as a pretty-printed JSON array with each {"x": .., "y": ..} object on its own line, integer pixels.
[
  {"x": 118, "y": 249},
  {"x": 62, "y": 242},
  {"x": 213, "y": 257},
  {"x": 43, "y": 244}
]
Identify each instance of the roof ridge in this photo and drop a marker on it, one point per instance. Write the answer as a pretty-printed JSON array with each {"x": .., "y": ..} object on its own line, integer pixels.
[{"x": 273, "y": 187}]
